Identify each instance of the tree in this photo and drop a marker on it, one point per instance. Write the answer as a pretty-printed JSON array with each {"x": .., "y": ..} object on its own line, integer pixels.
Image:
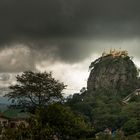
[
  {"x": 36, "y": 89},
  {"x": 47, "y": 123},
  {"x": 20, "y": 132},
  {"x": 131, "y": 127},
  {"x": 59, "y": 121}
]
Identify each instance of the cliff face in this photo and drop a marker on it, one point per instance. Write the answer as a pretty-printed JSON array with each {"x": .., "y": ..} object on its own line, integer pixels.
[{"x": 117, "y": 72}]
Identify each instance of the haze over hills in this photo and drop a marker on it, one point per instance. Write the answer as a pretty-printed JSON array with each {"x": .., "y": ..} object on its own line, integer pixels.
[{"x": 4, "y": 101}]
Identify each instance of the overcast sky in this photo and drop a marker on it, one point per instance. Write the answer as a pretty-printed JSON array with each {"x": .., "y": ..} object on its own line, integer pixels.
[{"x": 64, "y": 36}]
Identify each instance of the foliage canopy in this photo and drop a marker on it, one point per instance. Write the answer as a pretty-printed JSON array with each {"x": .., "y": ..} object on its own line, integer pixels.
[{"x": 36, "y": 89}]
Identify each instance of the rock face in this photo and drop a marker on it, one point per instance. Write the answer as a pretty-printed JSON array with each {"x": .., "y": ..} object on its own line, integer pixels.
[{"x": 109, "y": 71}]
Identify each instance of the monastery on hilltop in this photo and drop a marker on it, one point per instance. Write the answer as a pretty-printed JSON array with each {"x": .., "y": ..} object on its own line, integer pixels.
[{"x": 116, "y": 53}]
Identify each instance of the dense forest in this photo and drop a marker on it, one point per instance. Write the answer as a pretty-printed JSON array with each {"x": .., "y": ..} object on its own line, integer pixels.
[{"x": 108, "y": 109}]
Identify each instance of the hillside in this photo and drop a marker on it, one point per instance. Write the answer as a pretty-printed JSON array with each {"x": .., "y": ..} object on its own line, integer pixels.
[
  {"x": 114, "y": 70},
  {"x": 112, "y": 100}
]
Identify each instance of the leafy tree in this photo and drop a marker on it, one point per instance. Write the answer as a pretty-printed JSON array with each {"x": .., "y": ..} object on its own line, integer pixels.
[
  {"x": 20, "y": 132},
  {"x": 102, "y": 108},
  {"x": 131, "y": 127},
  {"x": 53, "y": 121},
  {"x": 36, "y": 89},
  {"x": 57, "y": 121}
]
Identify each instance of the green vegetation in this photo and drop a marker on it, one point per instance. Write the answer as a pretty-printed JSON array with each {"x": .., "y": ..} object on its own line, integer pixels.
[
  {"x": 36, "y": 89},
  {"x": 111, "y": 80},
  {"x": 49, "y": 117},
  {"x": 59, "y": 121},
  {"x": 97, "y": 113}
]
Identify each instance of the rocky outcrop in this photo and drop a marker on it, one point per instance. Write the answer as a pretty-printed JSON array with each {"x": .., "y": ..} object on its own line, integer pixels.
[{"x": 109, "y": 71}]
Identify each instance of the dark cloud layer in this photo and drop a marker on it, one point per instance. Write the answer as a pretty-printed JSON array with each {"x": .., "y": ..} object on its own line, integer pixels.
[
  {"x": 37, "y": 19},
  {"x": 56, "y": 28}
]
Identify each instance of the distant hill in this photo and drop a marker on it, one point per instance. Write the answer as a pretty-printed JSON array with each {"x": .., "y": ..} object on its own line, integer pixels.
[
  {"x": 3, "y": 107},
  {"x": 4, "y": 100}
]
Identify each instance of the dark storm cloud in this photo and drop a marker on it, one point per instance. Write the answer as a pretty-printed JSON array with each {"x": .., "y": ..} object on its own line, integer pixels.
[
  {"x": 68, "y": 51},
  {"x": 37, "y": 19},
  {"x": 56, "y": 29}
]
